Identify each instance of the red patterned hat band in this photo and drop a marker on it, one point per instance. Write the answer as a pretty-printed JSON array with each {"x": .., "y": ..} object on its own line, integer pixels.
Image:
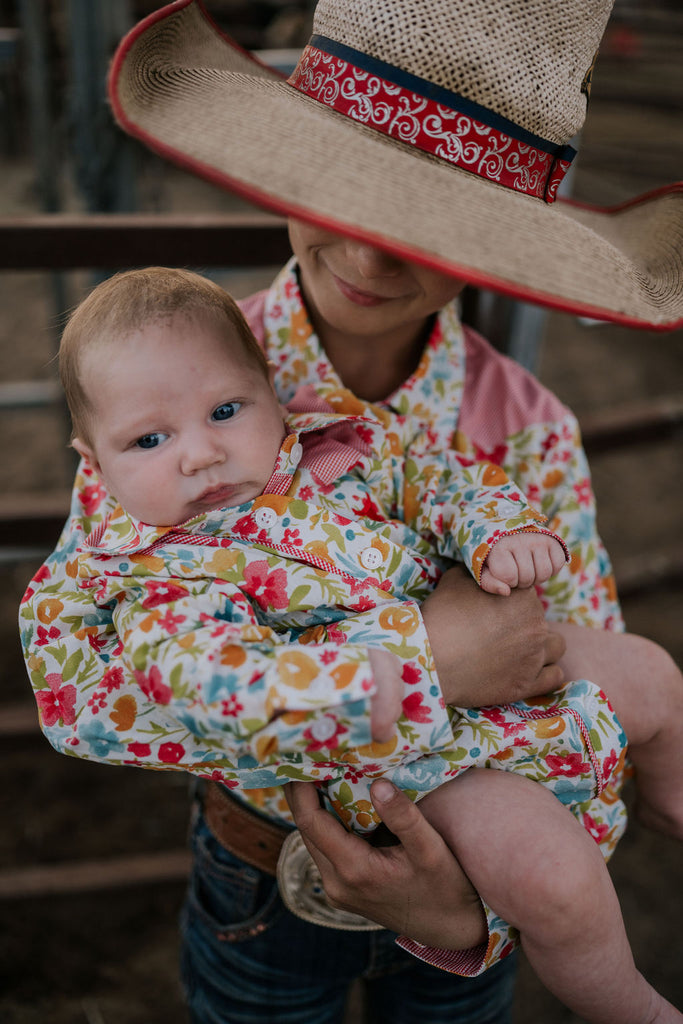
[{"x": 431, "y": 118}]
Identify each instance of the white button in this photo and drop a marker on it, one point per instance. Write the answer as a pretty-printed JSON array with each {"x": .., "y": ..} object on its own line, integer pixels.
[
  {"x": 265, "y": 516},
  {"x": 371, "y": 558},
  {"x": 323, "y": 729},
  {"x": 295, "y": 453}
]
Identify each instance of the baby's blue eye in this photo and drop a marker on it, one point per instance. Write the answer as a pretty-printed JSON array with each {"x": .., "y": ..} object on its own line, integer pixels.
[
  {"x": 148, "y": 441},
  {"x": 226, "y": 411}
]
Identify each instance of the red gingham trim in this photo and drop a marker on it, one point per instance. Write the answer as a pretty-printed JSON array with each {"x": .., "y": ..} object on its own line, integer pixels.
[
  {"x": 444, "y": 131},
  {"x": 523, "y": 529},
  {"x": 465, "y": 962},
  {"x": 289, "y": 550}
]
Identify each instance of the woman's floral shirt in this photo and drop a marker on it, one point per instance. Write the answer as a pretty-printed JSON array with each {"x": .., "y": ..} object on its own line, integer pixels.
[{"x": 236, "y": 647}]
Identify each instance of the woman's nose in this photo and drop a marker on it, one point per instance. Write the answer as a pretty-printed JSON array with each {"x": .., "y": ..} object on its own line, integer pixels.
[{"x": 373, "y": 262}]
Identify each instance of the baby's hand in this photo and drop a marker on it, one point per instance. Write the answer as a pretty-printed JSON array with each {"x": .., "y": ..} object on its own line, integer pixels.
[
  {"x": 387, "y": 702},
  {"x": 521, "y": 560}
]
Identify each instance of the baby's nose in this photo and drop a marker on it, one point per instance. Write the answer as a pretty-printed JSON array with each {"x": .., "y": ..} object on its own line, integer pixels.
[{"x": 199, "y": 452}]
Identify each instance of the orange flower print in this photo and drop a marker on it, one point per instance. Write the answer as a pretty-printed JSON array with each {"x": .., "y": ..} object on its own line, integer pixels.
[
  {"x": 124, "y": 713},
  {"x": 553, "y": 478},
  {"x": 278, "y": 502},
  {"x": 479, "y": 556},
  {"x": 494, "y": 476},
  {"x": 297, "y": 669},
  {"x": 233, "y": 655},
  {"x": 401, "y": 619},
  {"x": 546, "y": 728},
  {"x": 49, "y": 609},
  {"x": 343, "y": 675}
]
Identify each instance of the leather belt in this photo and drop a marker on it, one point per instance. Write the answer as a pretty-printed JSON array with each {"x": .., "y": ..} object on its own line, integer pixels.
[
  {"x": 242, "y": 831},
  {"x": 278, "y": 851}
]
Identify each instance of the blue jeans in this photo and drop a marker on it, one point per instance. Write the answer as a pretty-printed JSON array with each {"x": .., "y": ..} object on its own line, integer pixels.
[{"x": 247, "y": 960}]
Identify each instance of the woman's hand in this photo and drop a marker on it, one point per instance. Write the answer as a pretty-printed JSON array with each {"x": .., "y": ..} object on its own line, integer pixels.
[
  {"x": 490, "y": 649},
  {"x": 417, "y": 888}
]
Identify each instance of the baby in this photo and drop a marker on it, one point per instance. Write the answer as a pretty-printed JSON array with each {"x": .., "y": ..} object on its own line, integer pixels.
[{"x": 173, "y": 406}]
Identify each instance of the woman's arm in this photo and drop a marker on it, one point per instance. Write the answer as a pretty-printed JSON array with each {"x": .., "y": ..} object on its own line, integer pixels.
[{"x": 489, "y": 649}]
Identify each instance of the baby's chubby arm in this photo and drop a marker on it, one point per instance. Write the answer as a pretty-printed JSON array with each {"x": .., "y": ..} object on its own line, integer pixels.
[{"x": 521, "y": 560}]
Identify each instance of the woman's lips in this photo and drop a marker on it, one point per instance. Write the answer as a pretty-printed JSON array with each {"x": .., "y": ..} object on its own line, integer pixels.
[{"x": 360, "y": 298}]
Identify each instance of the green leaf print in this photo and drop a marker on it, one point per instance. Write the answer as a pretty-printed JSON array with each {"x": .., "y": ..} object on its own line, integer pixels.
[
  {"x": 296, "y": 598},
  {"x": 71, "y": 664}
]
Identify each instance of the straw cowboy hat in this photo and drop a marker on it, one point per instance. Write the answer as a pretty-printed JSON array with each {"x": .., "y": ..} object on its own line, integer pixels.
[{"x": 436, "y": 129}]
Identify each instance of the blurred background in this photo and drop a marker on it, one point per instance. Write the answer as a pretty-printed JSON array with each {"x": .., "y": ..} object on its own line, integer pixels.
[{"x": 91, "y": 859}]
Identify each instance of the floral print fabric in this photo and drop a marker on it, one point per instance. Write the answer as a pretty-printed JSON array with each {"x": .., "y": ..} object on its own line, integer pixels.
[{"x": 197, "y": 613}]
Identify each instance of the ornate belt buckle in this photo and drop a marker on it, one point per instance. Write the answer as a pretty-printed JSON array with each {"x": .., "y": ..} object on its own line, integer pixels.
[{"x": 302, "y": 890}]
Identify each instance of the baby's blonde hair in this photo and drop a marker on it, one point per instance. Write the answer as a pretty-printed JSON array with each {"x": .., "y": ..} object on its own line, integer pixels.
[{"x": 127, "y": 302}]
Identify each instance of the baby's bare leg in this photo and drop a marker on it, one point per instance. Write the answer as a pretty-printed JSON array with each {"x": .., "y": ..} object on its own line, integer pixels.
[
  {"x": 533, "y": 863},
  {"x": 645, "y": 688}
]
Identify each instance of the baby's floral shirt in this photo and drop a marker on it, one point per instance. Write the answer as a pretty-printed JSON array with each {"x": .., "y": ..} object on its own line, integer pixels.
[{"x": 236, "y": 646}]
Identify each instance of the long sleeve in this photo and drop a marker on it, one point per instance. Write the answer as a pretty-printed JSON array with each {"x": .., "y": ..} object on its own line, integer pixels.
[
  {"x": 509, "y": 418},
  {"x": 463, "y": 507},
  {"x": 159, "y": 658}
]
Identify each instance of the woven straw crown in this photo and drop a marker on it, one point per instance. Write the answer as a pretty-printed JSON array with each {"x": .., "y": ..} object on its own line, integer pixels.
[{"x": 525, "y": 59}]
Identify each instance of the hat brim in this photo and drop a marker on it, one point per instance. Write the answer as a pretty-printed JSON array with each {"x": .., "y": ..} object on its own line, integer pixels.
[{"x": 194, "y": 96}]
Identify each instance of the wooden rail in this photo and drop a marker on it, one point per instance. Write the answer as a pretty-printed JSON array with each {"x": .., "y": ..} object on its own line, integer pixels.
[{"x": 77, "y": 241}]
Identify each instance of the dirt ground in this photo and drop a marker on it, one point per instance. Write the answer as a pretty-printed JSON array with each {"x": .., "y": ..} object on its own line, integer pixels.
[{"x": 109, "y": 957}]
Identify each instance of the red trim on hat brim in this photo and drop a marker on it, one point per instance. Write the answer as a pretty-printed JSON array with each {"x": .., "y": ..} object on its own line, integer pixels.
[{"x": 255, "y": 196}]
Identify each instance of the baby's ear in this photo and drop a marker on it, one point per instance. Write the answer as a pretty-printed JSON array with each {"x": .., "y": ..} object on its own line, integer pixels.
[{"x": 86, "y": 452}]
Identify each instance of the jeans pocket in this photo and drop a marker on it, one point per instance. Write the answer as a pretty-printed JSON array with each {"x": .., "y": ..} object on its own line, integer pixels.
[{"x": 231, "y": 898}]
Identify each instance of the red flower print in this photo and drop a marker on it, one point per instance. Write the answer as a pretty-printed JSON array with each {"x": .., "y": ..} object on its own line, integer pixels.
[
  {"x": 42, "y": 574},
  {"x": 292, "y": 537},
  {"x": 98, "y": 641},
  {"x": 414, "y": 710},
  {"x": 335, "y": 635},
  {"x": 170, "y": 622},
  {"x": 112, "y": 679},
  {"x": 45, "y": 635},
  {"x": 566, "y": 765},
  {"x": 324, "y": 733},
  {"x": 410, "y": 674},
  {"x": 583, "y": 492},
  {"x": 171, "y": 753},
  {"x": 369, "y": 509},
  {"x": 91, "y": 498},
  {"x": 496, "y": 716},
  {"x": 153, "y": 686},
  {"x": 550, "y": 442},
  {"x": 495, "y": 455},
  {"x": 58, "y": 703},
  {"x": 268, "y": 588},
  {"x": 161, "y": 592},
  {"x": 231, "y": 707},
  {"x": 245, "y": 526},
  {"x": 595, "y": 829},
  {"x": 139, "y": 749},
  {"x": 306, "y": 493},
  {"x": 610, "y": 763}
]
